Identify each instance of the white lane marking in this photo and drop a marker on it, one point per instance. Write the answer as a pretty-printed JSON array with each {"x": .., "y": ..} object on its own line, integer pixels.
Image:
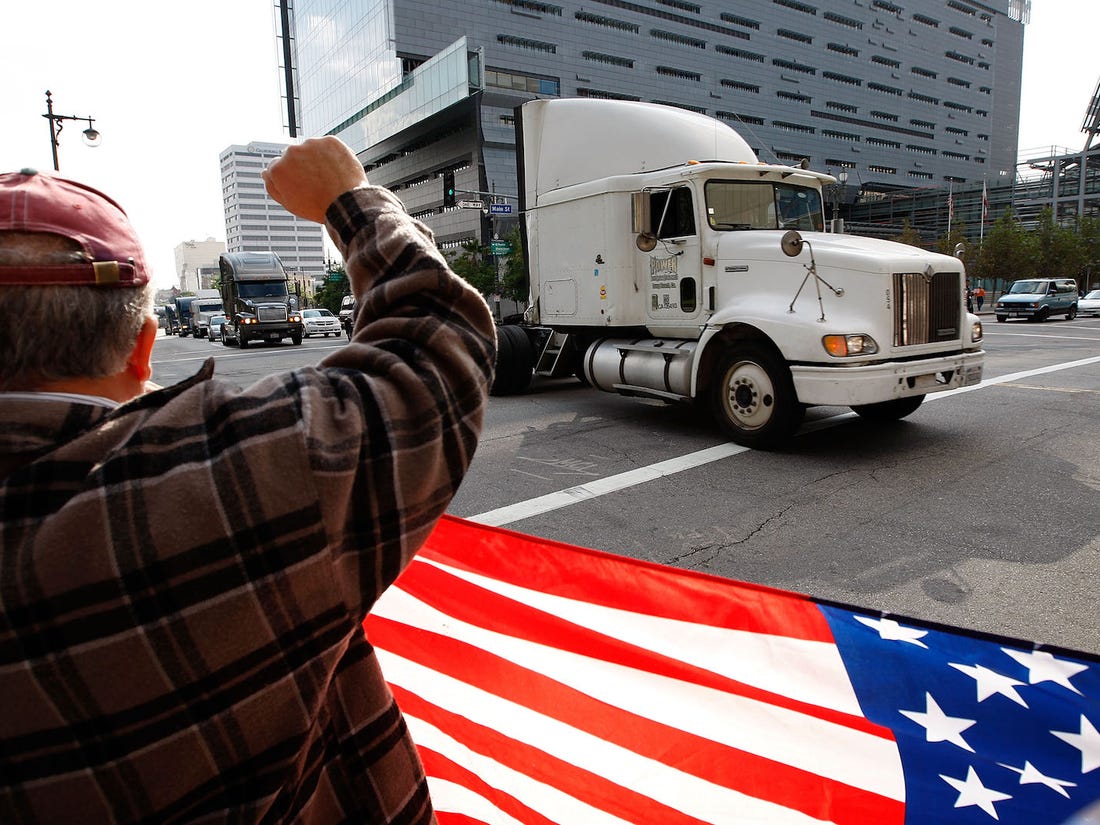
[{"x": 584, "y": 492}]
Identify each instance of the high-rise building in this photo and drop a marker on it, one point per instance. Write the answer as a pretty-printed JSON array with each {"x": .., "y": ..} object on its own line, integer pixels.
[
  {"x": 898, "y": 96},
  {"x": 197, "y": 264},
  {"x": 254, "y": 222}
]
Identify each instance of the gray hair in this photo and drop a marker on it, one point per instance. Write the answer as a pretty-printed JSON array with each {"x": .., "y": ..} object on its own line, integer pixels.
[{"x": 53, "y": 333}]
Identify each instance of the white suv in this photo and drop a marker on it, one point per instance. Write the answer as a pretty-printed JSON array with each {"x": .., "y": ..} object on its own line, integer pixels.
[{"x": 320, "y": 322}]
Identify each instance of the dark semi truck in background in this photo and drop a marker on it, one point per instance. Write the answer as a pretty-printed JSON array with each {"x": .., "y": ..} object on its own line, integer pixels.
[{"x": 256, "y": 296}]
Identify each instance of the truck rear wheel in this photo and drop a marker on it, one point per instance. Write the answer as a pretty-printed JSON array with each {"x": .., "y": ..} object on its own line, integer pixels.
[
  {"x": 894, "y": 410},
  {"x": 753, "y": 398},
  {"x": 515, "y": 361}
]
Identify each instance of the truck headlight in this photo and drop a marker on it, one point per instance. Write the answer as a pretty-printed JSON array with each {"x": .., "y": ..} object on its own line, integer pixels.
[
  {"x": 975, "y": 332},
  {"x": 295, "y": 319},
  {"x": 844, "y": 345}
]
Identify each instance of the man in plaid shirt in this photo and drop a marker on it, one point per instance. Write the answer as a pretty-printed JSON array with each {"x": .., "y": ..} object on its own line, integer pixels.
[{"x": 218, "y": 674}]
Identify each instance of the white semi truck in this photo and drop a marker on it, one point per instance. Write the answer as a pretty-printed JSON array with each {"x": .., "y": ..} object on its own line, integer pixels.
[{"x": 666, "y": 261}]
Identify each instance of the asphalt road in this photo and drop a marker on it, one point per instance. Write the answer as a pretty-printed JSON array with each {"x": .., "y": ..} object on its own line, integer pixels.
[{"x": 980, "y": 510}]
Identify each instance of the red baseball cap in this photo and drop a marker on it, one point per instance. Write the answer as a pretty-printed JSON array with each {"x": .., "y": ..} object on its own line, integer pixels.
[{"x": 32, "y": 201}]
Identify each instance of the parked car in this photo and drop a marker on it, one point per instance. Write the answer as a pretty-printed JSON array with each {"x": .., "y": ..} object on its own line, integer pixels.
[
  {"x": 1090, "y": 304},
  {"x": 216, "y": 327},
  {"x": 320, "y": 322},
  {"x": 1037, "y": 299}
]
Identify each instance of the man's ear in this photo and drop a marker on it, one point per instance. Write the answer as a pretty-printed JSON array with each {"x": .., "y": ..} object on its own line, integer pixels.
[{"x": 139, "y": 364}]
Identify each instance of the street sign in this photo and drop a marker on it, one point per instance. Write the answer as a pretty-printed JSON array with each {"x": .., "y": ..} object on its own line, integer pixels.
[
  {"x": 500, "y": 247},
  {"x": 471, "y": 205},
  {"x": 500, "y": 208}
]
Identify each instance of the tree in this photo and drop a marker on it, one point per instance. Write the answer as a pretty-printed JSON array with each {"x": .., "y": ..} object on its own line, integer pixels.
[
  {"x": 1088, "y": 229},
  {"x": 476, "y": 265},
  {"x": 1058, "y": 250},
  {"x": 333, "y": 290},
  {"x": 514, "y": 285},
  {"x": 909, "y": 235},
  {"x": 1005, "y": 254}
]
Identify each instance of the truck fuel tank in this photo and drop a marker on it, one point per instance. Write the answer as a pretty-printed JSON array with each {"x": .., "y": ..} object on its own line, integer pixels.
[{"x": 652, "y": 367}]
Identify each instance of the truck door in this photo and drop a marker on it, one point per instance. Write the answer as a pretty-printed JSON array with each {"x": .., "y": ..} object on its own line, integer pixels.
[{"x": 671, "y": 271}]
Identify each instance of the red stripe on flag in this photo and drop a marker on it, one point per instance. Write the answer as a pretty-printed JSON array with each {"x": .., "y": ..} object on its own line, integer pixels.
[
  {"x": 624, "y": 583},
  {"x": 578, "y": 783},
  {"x": 482, "y": 608},
  {"x": 438, "y": 766},
  {"x": 714, "y": 762}
]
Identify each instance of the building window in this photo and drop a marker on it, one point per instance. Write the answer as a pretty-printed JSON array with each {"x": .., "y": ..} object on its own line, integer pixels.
[
  {"x": 917, "y": 96},
  {"x": 841, "y": 107},
  {"x": 888, "y": 144},
  {"x": 740, "y": 21},
  {"x": 882, "y": 170},
  {"x": 849, "y": 136},
  {"x": 885, "y": 61},
  {"x": 924, "y": 124},
  {"x": 607, "y": 22},
  {"x": 672, "y": 37},
  {"x": 794, "y": 67},
  {"x": 752, "y": 120},
  {"x": 740, "y": 85},
  {"x": 793, "y": 35},
  {"x": 525, "y": 43},
  {"x": 522, "y": 83},
  {"x": 795, "y": 96},
  {"x": 962, "y": 58},
  {"x": 842, "y": 78},
  {"x": 842, "y": 20},
  {"x": 920, "y": 150},
  {"x": 884, "y": 116},
  {"x": 531, "y": 5},
  {"x": 682, "y": 6},
  {"x": 890, "y": 90},
  {"x": 955, "y": 30},
  {"x": 611, "y": 59},
  {"x": 956, "y": 155},
  {"x": 732, "y": 52},
  {"x": 683, "y": 74},
  {"x": 924, "y": 72},
  {"x": 793, "y": 127},
  {"x": 794, "y": 4},
  {"x": 840, "y": 48},
  {"x": 952, "y": 4}
]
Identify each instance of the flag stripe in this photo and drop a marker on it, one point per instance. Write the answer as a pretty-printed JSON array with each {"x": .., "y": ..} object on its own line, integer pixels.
[
  {"x": 456, "y": 789},
  {"x": 860, "y": 759},
  {"x": 629, "y": 584},
  {"x": 583, "y": 752},
  {"x": 793, "y": 671},
  {"x": 699, "y": 755}
]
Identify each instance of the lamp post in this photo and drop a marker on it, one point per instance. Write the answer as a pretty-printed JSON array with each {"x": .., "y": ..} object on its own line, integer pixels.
[
  {"x": 838, "y": 188},
  {"x": 91, "y": 135}
]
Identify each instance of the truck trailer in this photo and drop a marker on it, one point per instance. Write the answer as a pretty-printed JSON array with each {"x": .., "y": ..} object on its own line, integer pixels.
[
  {"x": 667, "y": 261},
  {"x": 256, "y": 297}
]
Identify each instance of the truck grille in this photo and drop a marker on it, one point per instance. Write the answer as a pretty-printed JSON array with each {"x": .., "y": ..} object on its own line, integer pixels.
[
  {"x": 926, "y": 309},
  {"x": 275, "y": 313}
]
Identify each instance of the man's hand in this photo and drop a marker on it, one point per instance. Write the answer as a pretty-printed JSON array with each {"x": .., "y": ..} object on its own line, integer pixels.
[{"x": 310, "y": 176}]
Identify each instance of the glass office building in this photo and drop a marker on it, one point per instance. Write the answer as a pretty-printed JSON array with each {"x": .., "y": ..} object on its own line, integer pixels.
[{"x": 913, "y": 95}]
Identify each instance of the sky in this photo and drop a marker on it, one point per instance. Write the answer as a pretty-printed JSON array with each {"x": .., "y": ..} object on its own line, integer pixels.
[{"x": 171, "y": 85}]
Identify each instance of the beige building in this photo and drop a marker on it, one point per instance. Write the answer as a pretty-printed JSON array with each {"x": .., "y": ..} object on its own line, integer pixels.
[{"x": 197, "y": 264}]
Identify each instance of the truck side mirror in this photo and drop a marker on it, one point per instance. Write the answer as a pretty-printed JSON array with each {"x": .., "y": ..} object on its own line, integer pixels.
[
  {"x": 646, "y": 241},
  {"x": 791, "y": 243}
]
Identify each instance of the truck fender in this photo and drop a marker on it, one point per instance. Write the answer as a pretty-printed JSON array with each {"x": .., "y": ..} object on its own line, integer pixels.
[{"x": 715, "y": 341}]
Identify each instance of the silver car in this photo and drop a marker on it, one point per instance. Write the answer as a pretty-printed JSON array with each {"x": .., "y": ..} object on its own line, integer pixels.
[{"x": 320, "y": 322}]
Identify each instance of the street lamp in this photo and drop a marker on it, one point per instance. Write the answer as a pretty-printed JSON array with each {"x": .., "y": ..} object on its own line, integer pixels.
[
  {"x": 91, "y": 135},
  {"x": 838, "y": 188}
]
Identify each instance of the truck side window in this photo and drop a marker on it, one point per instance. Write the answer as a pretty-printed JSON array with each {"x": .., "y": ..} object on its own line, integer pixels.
[
  {"x": 687, "y": 295},
  {"x": 680, "y": 217}
]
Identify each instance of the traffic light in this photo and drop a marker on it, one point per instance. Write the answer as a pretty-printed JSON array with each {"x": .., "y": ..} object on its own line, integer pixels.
[{"x": 448, "y": 189}]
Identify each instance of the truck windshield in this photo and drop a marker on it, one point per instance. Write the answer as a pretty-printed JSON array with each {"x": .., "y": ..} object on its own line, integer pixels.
[
  {"x": 737, "y": 205},
  {"x": 262, "y": 289}
]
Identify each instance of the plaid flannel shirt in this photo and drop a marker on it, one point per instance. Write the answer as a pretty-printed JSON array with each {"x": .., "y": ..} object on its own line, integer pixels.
[{"x": 183, "y": 580}]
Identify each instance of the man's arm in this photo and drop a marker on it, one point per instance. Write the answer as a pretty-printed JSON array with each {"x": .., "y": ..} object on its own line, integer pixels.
[{"x": 410, "y": 386}]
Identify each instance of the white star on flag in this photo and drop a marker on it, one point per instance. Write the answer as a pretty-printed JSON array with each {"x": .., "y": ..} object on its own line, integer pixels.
[
  {"x": 1030, "y": 775},
  {"x": 989, "y": 682},
  {"x": 1087, "y": 741},
  {"x": 973, "y": 792},
  {"x": 1043, "y": 667},
  {"x": 891, "y": 631},
  {"x": 938, "y": 726}
]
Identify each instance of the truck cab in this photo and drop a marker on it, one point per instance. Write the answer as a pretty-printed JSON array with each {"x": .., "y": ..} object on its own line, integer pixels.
[
  {"x": 256, "y": 299},
  {"x": 667, "y": 262}
]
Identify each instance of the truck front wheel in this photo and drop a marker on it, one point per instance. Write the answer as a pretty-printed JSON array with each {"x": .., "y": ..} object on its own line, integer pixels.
[
  {"x": 894, "y": 410},
  {"x": 753, "y": 398}
]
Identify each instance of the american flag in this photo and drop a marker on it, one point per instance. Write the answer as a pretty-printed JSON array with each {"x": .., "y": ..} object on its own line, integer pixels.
[{"x": 549, "y": 683}]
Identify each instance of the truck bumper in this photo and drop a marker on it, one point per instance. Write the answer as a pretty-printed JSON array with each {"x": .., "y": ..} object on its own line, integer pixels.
[{"x": 847, "y": 386}]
